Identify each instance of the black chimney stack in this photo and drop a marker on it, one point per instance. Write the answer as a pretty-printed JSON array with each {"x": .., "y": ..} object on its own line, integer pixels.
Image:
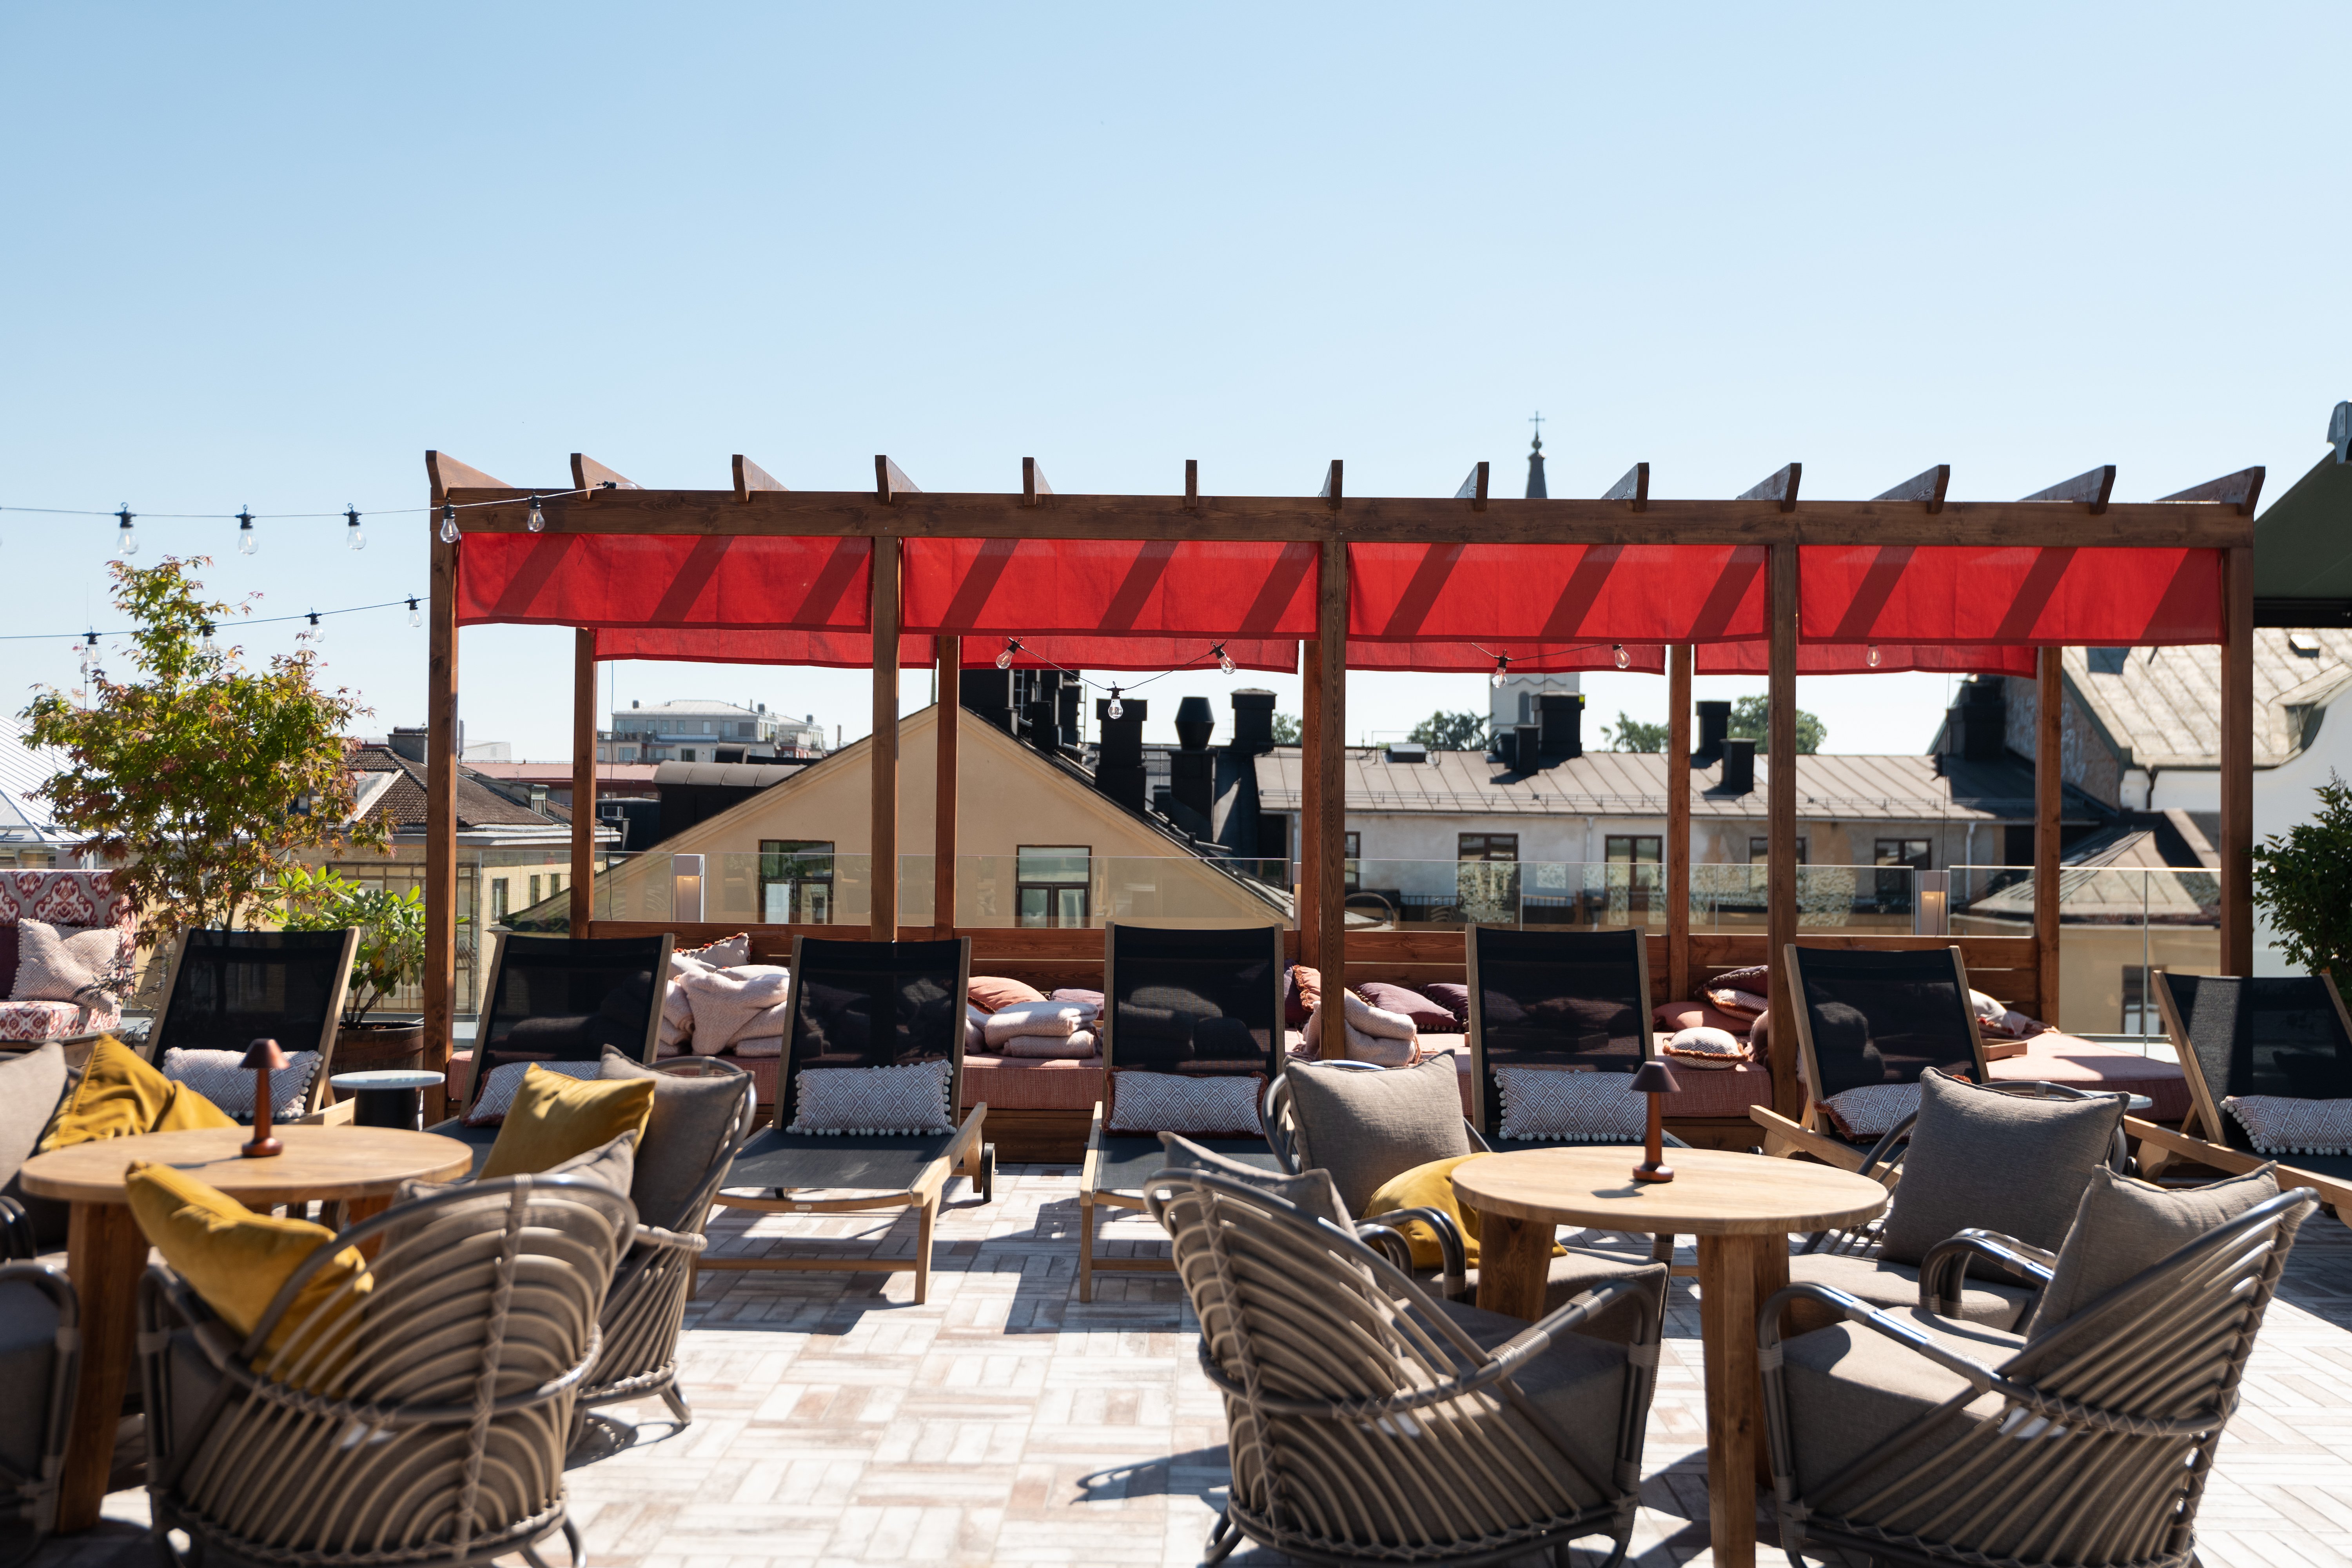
[
  {"x": 1713, "y": 723},
  {"x": 1118, "y": 764},
  {"x": 1738, "y": 766},
  {"x": 1979, "y": 722},
  {"x": 989, "y": 694},
  {"x": 1527, "y": 748},
  {"x": 1253, "y": 719},
  {"x": 1560, "y": 715},
  {"x": 1044, "y": 730},
  {"x": 1192, "y": 769}
]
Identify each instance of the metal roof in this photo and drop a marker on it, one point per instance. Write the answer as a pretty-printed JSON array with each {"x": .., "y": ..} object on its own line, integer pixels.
[
  {"x": 23, "y": 769},
  {"x": 2163, "y": 705},
  {"x": 1830, "y": 787}
]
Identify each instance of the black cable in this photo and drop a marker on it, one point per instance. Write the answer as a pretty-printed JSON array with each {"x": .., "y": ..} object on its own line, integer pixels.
[{"x": 255, "y": 621}]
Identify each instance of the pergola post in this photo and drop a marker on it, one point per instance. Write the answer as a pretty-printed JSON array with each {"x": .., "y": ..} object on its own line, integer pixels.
[
  {"x": 884, "y": 859},
  {"x": 2237, "y": 760},
  {"x": 1679, "y": 660},
  {"x": 1310, "y": 806},
  {"x": 1329, "y": 760},
  {"x": 441, "y": 770},
  {"x": 1781, "y": 824},
  {"x": 584, "y": 779},
  {"x": 2049, "y": 793},
  {"x": 946, "y": 780}
]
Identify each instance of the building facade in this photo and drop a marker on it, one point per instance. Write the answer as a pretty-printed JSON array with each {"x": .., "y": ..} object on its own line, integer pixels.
[{"x": 697, "y": 731}]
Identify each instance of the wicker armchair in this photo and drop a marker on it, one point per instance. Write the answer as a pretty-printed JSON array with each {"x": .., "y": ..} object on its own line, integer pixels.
[
  {"x": 646, "y": 1307},
  {"x": 1907, "y": 1439},
  {"x": 421, "y": 1422},
  {"x": 40, "y": 1356},
  {"x": 1367, "y": 1421}
]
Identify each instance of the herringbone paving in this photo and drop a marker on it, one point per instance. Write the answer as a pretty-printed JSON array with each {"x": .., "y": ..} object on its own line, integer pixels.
[{"x": 1005, "y": 1421}]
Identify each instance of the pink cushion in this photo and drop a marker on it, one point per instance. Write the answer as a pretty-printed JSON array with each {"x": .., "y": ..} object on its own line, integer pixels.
[
  {"x": 1728, "y": 1092},
  {"x": 1019, "y": 1083},
  {"x": 2086, "y": 1064}
]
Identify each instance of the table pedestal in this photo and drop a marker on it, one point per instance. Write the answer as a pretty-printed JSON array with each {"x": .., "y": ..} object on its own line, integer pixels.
[{"x": 105, "y": 1254}]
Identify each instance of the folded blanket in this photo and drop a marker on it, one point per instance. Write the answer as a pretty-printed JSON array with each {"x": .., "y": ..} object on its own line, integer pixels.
[
  {"x": 1358, "y": 1020},
  {"x": 1051, "y": 1019},
  {"x": 758, "y": 1046},
  {"x": 1051, "y": 1048},
  {"x": 728, "y": 1004}
]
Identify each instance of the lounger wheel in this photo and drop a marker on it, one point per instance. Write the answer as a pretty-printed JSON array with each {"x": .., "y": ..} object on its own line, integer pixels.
[{"x": 987, "y": 1183}]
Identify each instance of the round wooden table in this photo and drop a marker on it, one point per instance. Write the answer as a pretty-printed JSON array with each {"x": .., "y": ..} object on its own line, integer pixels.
[
  {"x": 106, "y": 1252},
  {"x": 1741, "y": 1208}
]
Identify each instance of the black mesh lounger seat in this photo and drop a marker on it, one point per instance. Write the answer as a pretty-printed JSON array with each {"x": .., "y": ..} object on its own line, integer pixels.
[
  {"x": 1870, "y": 1016},
  {"x": 561, "y": 998},
  {"x": 1194, "y": 1003},
  {"x": 229, "y": 988},
  {"x": 2287, "y": 1036},
  {"x": 841, "y": 992}
]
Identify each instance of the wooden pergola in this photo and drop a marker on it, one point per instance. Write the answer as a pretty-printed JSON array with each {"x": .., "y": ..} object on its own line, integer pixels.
[{"x": 2209, "y": 527}]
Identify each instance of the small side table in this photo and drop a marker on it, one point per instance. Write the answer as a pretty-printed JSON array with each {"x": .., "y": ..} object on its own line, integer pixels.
[{"x": 389, "y": 1098}]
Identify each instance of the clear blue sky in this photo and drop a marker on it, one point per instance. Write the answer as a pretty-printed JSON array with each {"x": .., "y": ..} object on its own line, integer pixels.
[{"x": 266, "y": 256}]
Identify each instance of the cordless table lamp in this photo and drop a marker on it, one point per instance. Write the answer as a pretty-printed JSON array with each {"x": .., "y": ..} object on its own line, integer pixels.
[
  {"x": 1656, "y": 1080},
  {"x": 263, "y": 1058}
]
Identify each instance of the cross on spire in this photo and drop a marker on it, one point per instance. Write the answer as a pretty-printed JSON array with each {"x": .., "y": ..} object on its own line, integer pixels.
[{"x": 1538, "y": 422}]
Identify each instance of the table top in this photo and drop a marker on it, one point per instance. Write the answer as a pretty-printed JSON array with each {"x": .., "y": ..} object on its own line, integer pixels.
[
  {"x": 319, "y": 1162},
  {"x": 1715, "y": 1191},
  {"x": 386, "y": 1077}
]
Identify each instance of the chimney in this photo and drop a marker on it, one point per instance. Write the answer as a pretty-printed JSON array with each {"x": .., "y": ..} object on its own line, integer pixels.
[
  {"x": 1043, "y": 723},
  {"x": 1253, "y": 719},
  {"x": 1192, "y": 769},
  {"x": 1118, "y": 764},
  {"x": 1714, "y": 722},
  {"x": 989, "y": 694},
  {"x": 1978, "y": 721},
  {"x": 1526, "y": 746},
  {"x": 1066, "y": 708},
  {"x": 1739, "y": 767},
  {"x": 1560, "y": 716},
  {"x": 408, "y": 741}
]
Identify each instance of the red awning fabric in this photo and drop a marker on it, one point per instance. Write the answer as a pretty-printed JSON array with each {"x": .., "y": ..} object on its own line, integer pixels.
[
  {"x": 644, "y": 580},
  {"x": 854, "y": 650},
  {"x": 1526, "y": 658},
  {"x": 1556, "y": 593},
  {"x": 1036, "y": 588},
  {"x": 1853, "y": 658},
  {"x": 1965, "y": 593}
]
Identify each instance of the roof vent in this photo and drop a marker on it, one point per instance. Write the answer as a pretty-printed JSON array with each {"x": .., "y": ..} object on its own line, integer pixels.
[
  {"x": 1407, "y": 751},
  {"x": 2304, "y": 644}
]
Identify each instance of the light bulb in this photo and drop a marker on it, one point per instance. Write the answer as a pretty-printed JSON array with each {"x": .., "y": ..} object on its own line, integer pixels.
[
  {"x": 537, "y": 521},
  {"x": 1224, "y": 660},
  {"x": 1116, "y": 710},
  {"x": 1870, "y": 656},
  {"x": 208, "y": 645},
  {"x": 247, "y": 542},
  {"x": 448, "y": 523},
  {"x": 1496, "y": 679},
  {"x": 415, "y": 618},
  {"x": 1005, "y": 659},
  {"x": 126, "y": 538},
  {"x": 352, "y": 535},
  {"x": 1622, "y": 656}
]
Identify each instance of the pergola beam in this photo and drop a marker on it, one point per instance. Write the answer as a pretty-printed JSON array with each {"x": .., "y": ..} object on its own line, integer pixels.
[
  {"x": 751, "y": 476},
  {"x": 2089, "y": 489},
  {"x": 1929, "y": 485},
  {"x": 588, "y": 474},
  {"x": 1780, "y": 489},
  {"x": 2242, "y": 490},
  {"x": 1635, "y": 487}
]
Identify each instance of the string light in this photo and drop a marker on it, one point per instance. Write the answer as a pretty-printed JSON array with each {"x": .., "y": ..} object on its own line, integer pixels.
[
  {"x": 91, "y": 639},
  {"x": 353, "y": 536},
  {"x": 1005, "y": 659},
  {"x": 537, "y": 521},
  {"x": 247, "y": 542},
  {"x": 126, "y": 537},
  {"x": 1870, "y": 656},
  {"x": 1116, "y": 710},
  {"x": 314, "y": 617},
  {"x": 209, "y": 646},
  {"x": 1620, "y": 655},
  {"x": 414, "y": 619},
  {"x": 1502, "y": 670},
  {"x": 1224, "y": 660},
  {"x": 448, "y": 524}
]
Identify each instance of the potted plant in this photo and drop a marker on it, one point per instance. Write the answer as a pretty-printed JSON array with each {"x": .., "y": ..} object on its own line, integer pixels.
[
  {"x": 391, "y": 955},
  {"x": 2302, "y": 883}
]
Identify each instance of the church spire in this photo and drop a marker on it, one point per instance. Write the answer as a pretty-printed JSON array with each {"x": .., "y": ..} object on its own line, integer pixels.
[{"x": 1535, "y": 491}]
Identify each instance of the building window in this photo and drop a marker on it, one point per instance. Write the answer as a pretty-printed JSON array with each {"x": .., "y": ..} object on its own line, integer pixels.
[
  {"x": 1638, "y": 850},
  {"x": 1916, "y": 853},
  {"x": 498, "y": 898},
  {"x": 1351, "y": 866},
  {"x": 796, "y": 881},
  {"x": 554, "y": 883},
  {"x": 534, "y": 890},
  {"x": 1487, "y": 847},
  {"x": 686, "y": 754},
  {"x": 1759, "y": 850},
  {"x": 1273, "y": 842},
  {"x": 1050, "y": 884}
]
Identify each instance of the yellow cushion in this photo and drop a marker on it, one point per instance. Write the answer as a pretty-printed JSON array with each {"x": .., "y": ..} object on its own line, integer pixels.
[
  {"x": 1431, "y": 1186},
  {"x": 121, "y": 1095},
  {"x": 237, "y": 1260},
  {"x": 554, "y": 1117}
]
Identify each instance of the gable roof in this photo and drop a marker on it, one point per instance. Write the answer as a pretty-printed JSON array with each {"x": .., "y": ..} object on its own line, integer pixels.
[
  {"x": 402, "y": 801},
  {"x": 2162, "y": 706}
]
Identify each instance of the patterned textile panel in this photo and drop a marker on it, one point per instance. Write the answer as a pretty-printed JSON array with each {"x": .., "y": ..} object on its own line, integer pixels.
[
  {"x": 53, "y": 1020},
  {"x": 66, "y": 897}
]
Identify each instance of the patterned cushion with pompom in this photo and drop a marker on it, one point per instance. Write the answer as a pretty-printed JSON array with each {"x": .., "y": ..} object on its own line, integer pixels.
[
  {"x": 1547, "y": 1105},
  {"x": 911, "y": 1098}
]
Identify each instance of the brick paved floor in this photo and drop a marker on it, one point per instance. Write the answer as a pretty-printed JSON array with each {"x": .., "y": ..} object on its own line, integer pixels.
[{"x": 836, "y": 1423}]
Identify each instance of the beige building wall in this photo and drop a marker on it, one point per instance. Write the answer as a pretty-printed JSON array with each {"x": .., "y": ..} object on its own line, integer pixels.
[{"x": 1009, "y": 797}]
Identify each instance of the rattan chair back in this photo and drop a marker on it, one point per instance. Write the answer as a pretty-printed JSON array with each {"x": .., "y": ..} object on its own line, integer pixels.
[
  {"x": 1362, "y": 1422},
  {"x": 2104, "y": 1439},
  {"x": 418, "y": 1415}
]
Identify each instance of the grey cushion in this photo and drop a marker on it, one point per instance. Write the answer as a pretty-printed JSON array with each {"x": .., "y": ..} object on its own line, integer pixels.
[
  {"x": 1571, "y": 1276},
  {"x": 612, "y": 1166},
  {"x": 1367, "y": 1126},
  {"x": 1851, "y": 1391},
  {"x": 1995, "y": 1162},
  {"x": 1579, "y": 1383},
  {"x": 1895, "y": 1286},
  {"x": 689, "y": 1127},
  {"x": 32, "y": 1085},
  {"x": 1310, "y": 1190},
  {"x": 2125, "y": 1227},
  {"x": 29, "y": 1348}
]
